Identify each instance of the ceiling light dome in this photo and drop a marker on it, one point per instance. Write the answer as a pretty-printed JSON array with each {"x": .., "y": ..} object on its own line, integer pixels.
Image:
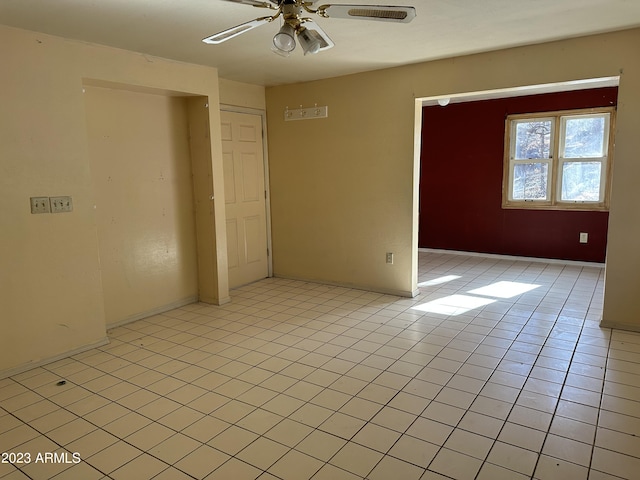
[
  {"x": 310, "y": 43},
  {"x": 285, "y": 40}
]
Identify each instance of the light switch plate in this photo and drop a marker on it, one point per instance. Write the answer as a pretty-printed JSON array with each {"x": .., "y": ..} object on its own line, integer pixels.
[
  {"x": 40, "y": 205},
  {"x": 61, "y": 204}
]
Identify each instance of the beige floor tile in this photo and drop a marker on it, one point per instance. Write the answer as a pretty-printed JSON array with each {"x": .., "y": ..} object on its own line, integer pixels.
[
  {"x": 330, "y": 472},
  {"x": 260, "y": 421},
  {"x": 158, "y": 408},
  {"x": 71, "y": 431},
  {"x": 138, "y": 399},
  {"x": 414, "y": 450},
  {"x": 208, "y": 402},
  {"x": 186, "y": 394},
  {"x": 202, "y": 461},
  {"x": 205, "y": 428},
  {"x": 234, "y": 469},
  {"x": 107, "y": 414},
  {"x": 522, "y": 436},
  {"x": 321, "y": 445},
  {"x": 566, "y": 427},
  {"x": 92, "y": 443},
  {"x": 390, "y": 467},
  {"x": 295, "y": 465},
  {"x": 149, "y": 436},
  {"x": 444, "y": 413},
  {"x": 181, "y": 418},
  {"x": 143, "y": 467},
  {"x": 262, "y": 453},
  {"x": 341, "y": 425},
  {"x": 232, "y": 440},
  {"x": 289, "y": 432},
  {"x": 430, "y": 430},
  {"x": 481, "y": 424},
  {"x": 112, "y": 457},
  {"x": 376, "y": 437},
  {"x": 550, "y": 468},
  {"x": 172, "y": 473},
  {"x": 174, "y": 448},
  {"x": 567, "y": 449},
  {"x": 491, "y": 407},
  {"x": 494, "y": 472},
  {"x": 615, "y": 463},
  {"x": 82, "y": 470},
  {"x": 394, "y": 419},
  {"x": 361, "y": 408},
  {"x": 455, "y": 465},
  {"x": 206, "y": 370},
  {"x": 233, "y": 411},
  {"x": 35, "y": 410},
  {"x": 469, "y": 443},
  {"x": 127, "y": 424},
  {"x": 513, "y": 458},
  {"x": 356, "y": 459}
]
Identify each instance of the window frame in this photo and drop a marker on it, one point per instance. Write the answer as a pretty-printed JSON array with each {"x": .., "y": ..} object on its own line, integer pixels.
[{"x": 555, "y": 162}]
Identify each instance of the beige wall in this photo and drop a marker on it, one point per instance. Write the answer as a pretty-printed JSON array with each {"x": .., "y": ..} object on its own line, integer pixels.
[
  {"x": 244, "y": 95},
  {"x": 342, "y": 187},
  {"x": 51, "y": 291},
  {"x": 141, "y": 169}
]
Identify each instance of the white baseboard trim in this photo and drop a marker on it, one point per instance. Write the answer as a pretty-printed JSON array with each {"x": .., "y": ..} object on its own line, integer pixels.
[
  {"x": 513, "y": 257},
  {"x": 154, "y": 311},
  {"x": 45, "y": 361}
]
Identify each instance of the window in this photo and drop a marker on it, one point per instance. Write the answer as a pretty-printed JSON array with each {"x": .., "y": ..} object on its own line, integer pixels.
[{"x": 558, "y": 160}]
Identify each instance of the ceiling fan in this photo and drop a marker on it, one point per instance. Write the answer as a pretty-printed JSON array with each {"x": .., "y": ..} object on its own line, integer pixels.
[{"x": 311, "y": 37}]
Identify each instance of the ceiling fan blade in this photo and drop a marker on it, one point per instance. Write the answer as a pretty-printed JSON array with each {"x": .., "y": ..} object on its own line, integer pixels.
[
  {"x": 229, "y": 33},
  {"x": 385, "y": 13},
  {"x": 318, "y": 34},
  {"x": 256, "y": 3}
]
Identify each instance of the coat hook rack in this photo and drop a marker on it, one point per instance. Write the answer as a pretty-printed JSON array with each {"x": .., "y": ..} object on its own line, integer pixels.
[{"x": 306, "y": 113}]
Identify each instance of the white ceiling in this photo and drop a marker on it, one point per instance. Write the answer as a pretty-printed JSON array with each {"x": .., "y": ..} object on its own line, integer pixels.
[{"x": 443, "y": 28}]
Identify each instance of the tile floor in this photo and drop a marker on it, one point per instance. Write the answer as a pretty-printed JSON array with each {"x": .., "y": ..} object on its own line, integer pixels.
[{"x": 497, "y": 370}]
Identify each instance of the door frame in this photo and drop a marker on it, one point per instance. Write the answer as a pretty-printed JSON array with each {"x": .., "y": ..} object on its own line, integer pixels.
[{"x": 265, "y": 158}]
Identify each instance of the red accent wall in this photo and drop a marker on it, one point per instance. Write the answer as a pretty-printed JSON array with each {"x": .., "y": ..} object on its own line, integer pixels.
[{"x": 461, "y": 183}]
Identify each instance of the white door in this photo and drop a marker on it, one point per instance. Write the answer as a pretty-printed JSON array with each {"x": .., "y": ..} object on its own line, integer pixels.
[{"x": 244, "y": 190}]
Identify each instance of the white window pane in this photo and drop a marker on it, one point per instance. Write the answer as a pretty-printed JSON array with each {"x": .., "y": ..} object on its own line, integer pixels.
[
  {"x": 581, "y": 181},
  {"x": 533, "y": 139},
  {"x": 530, "y": 181},
  {"x": 584, "y": 137}
]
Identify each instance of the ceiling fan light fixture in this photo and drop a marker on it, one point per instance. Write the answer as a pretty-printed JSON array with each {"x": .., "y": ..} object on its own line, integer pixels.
[
  {"x": 285, "y": 40},
  {"x": 309, "y": 42}
]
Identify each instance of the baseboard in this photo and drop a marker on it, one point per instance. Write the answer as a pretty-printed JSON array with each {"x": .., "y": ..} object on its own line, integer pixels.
[
  {"x": 214, "y": 301},
  {"x": 23, "y": 368},
  {"x": 154, "y": 311},
  {"x": 364, "y": 288},
  {"x": 513, "y": 257},
  {"x": 619, "y": 326}
]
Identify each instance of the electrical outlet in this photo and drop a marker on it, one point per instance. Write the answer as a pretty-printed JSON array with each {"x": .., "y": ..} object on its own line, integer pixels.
[
  {"x": 389, "y": 257},
  {"x": 584, "y": 237},
  {"x": 40, "y": 205},
  {"x": 61, "y": 204}
]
